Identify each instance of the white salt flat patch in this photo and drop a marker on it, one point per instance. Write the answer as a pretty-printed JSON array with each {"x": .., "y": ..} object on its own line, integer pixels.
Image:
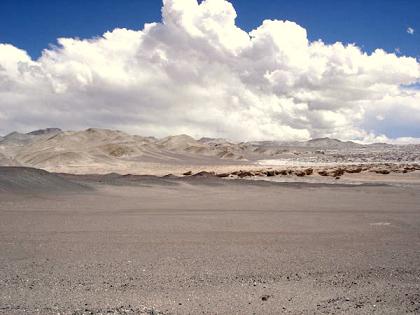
[
  {"x": 288, "y": 162},
  {"x": 275, "y": 162},
  {"x": 308, "y": 163},
  {"x": 295, "y": 163}
]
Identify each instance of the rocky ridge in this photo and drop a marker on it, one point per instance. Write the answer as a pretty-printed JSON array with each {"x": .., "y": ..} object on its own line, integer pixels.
[{"x": 335, "y": 172}]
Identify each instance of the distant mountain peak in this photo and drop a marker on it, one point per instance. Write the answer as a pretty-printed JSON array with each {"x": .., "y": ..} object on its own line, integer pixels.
[
  {"x": 13, "y": 134},
  {"x": 325, "y": 139},
  {"x": 44, "y": 131}
]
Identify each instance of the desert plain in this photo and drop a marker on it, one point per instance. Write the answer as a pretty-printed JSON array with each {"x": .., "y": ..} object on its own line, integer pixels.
[{"x": 90, "y": 225}]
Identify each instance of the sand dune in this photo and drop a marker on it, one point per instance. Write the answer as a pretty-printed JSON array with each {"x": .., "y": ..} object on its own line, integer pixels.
[{"x": 29, "y": 180}]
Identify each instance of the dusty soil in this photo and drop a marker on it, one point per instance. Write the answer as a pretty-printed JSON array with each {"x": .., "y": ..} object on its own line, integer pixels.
[{"x": 211, "y": 246}]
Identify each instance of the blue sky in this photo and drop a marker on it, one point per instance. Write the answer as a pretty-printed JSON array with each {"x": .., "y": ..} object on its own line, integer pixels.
[
  {"x": 33, "y": 25},
  {"x": 200, "y": 74}
]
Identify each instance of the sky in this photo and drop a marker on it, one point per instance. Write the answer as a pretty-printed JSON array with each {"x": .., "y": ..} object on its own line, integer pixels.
[
  {"x": 240, "y": 69},
  {"x": 34, "y": 25}
]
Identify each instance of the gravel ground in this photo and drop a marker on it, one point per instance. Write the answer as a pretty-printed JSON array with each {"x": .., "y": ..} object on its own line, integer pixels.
[{"x": 211, "y": 247}]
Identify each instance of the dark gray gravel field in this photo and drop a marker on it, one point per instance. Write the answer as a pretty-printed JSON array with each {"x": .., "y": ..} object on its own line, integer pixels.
[{"x": 210, "y": 247}]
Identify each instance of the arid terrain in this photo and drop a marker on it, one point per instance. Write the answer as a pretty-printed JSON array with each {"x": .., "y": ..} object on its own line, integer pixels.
[
  {"x": 102, "y": 151},
  {"x": 112, "y": 244},
  {"x": 101, "y": 222}
]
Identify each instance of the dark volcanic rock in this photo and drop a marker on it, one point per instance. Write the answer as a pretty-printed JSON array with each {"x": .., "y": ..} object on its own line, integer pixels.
[
  {"x": 338, "y": 172},
  {"x": 204, "y": 174},
  {"x": 281, "y": 172},
  {"x": 323, "y": 173},
  {"x": 309, "y": 171},
  {"x": 271, "y": 173},
  {"x": 300, "y": 173},
  {"x": 381, "y": 171},
  {"x": 245, "y": 174},
  {"x": 353, "y": 170}
]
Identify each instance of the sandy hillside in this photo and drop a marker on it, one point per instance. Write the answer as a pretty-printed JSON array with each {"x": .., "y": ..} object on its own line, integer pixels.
[{"x": 105, "y": 151}]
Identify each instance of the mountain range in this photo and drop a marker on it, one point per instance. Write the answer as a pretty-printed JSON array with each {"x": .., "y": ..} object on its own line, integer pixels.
[{"x": 54, "y": 149}]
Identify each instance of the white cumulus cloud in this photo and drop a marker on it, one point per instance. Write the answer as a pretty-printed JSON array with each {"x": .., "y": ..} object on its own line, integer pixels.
[{"x": 197, "y": 72}]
